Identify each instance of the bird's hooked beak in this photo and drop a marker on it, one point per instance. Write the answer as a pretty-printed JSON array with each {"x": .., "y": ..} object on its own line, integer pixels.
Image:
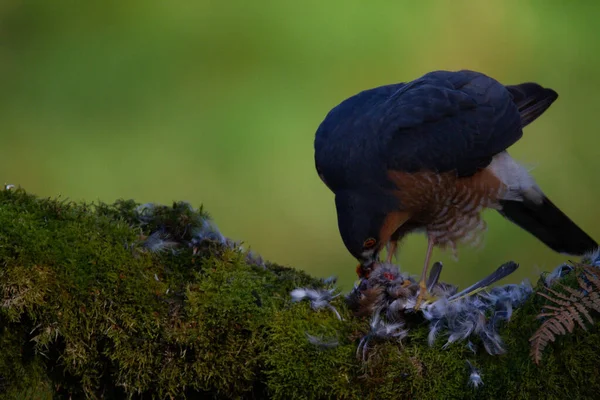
[
  {"x": 366, "y": 266},
  {"x": 363, "y": 271},
  {"x": 368, "y": 261}
]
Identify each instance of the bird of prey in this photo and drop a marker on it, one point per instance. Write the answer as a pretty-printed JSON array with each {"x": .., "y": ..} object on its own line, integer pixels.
[{"x": 429, "y": 156}]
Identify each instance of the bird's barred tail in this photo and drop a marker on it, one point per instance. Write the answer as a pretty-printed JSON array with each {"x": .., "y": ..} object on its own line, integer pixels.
[
  {"x": 550, "y": 225},
  {"x": 531, "y": 100}
]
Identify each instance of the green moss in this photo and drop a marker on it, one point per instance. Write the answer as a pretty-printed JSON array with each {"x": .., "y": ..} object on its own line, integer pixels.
[
  {"x": 22, "y": 376},
  {"x": 87, "y": 310},
  {"x": 297, "y": 369}
]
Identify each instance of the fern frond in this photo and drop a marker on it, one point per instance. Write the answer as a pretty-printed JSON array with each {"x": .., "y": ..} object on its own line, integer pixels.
[
  {"x": 572, "y": 315},
  {"x": 570, "y": 307},
  {"x": 591, "y": 273},
  {"x": 583, "y": 311},
  {"x": 560, "y": 298},
  {"x": 553, "y": 308},
  {"x": 593, "y": 301},
  {"x": 582, "y": 282},
  {"x": 575, "y": 293}
]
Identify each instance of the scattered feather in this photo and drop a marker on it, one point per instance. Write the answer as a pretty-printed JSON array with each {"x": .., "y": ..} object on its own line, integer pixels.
[
  {"x": 158, "y": 242},
  {"x": 196, "y": 228},
  {"x": 332, "y": 280},
  {"x": 145, "y": 212},
  {"x": 380, "y": 330},
  {"x": 323, "y": 343},
  {"x": 593, "y": 258},
  {"x": 474, "y": 376},
  {"x": 209, "y": 231},
  {"x": 318, "y": 298},
  {"x": 478, "y": 315},
  {"x": 472, "y": 347},
  {"x": 557, "y": 273},
  {"x": 434, "y": 330},
  {"x": 474, "y": 312}
]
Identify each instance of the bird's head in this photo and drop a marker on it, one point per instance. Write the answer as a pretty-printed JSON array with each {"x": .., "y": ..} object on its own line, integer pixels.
[{"x": 366, "y": 223}]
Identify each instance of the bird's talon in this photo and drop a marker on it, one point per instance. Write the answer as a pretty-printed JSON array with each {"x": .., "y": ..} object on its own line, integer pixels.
[{"x": 423, "y": 296}]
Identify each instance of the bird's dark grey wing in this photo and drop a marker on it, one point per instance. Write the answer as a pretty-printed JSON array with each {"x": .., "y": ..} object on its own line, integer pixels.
[{"x": 448, "y": 121}]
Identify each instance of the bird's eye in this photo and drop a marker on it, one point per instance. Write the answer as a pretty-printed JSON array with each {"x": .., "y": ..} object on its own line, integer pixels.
[{"x": 370, "y": 242}]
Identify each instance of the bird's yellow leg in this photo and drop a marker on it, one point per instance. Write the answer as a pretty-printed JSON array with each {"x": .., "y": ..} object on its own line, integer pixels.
[
  {"x": 391, "y": 251},
  {"x": 423, "y": 292}
]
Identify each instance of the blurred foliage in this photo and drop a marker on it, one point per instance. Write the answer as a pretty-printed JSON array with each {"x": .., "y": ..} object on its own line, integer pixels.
[
  {"x": 87, "y": 311},
  {"x": 217, "y": 103}
]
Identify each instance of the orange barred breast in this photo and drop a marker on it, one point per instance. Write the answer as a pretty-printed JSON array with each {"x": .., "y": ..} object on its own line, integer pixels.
[{"x": 448, "y": 207}]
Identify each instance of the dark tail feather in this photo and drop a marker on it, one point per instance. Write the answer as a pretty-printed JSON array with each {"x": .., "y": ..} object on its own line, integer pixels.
[
  {"x": 532, "y": 100},
  {"x": 550, "y": 225}
]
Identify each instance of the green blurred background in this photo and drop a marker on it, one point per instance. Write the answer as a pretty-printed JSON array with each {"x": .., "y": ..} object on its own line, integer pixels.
[{"x": 217, "y": 103}]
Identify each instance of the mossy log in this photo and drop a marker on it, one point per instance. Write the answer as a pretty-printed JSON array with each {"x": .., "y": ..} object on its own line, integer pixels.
[{"x": 91, "y": 307}]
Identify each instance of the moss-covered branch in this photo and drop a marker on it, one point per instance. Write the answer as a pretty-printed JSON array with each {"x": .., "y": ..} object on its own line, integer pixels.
[{"x": 105, "y": 301}]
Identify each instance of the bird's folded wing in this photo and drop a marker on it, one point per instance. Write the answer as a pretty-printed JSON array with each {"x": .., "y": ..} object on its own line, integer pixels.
[{"x": 448, "y": 121}]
